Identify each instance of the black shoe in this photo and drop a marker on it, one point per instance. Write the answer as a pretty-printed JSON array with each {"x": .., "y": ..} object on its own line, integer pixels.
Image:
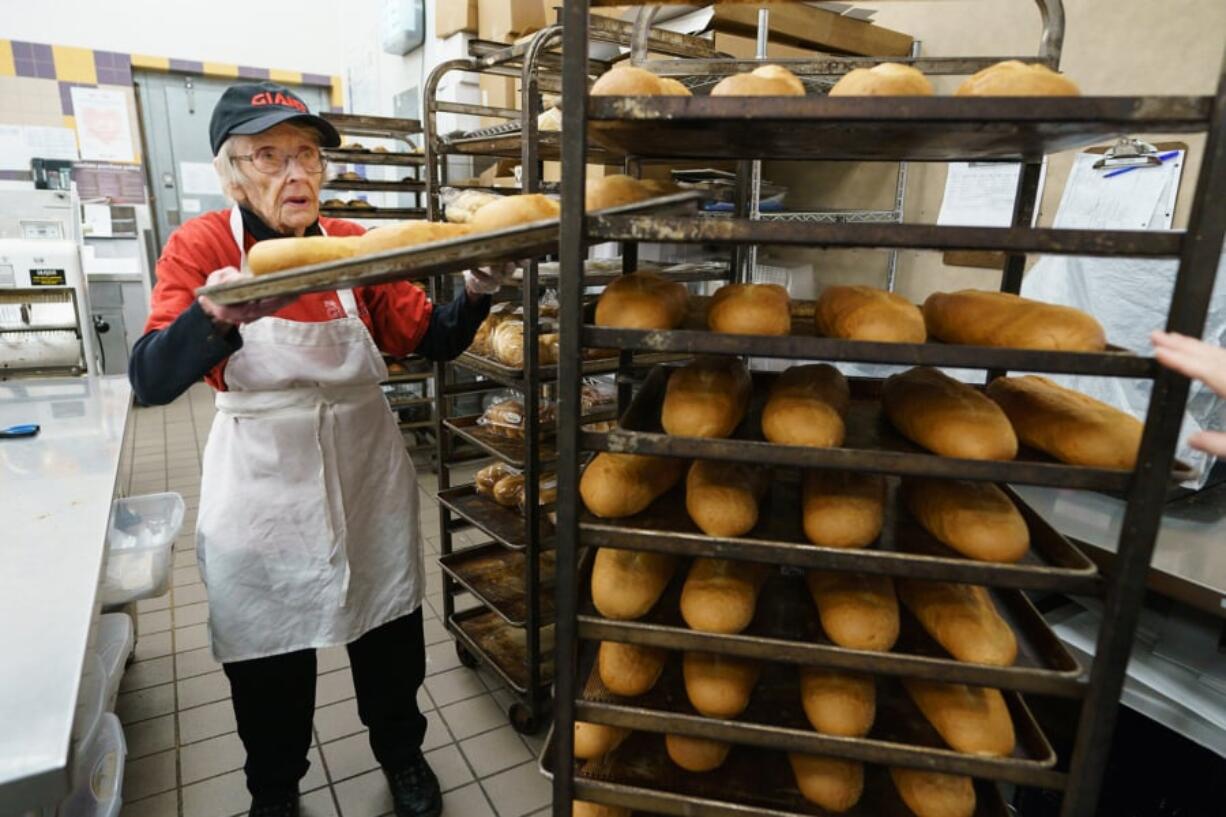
[
  {"x": 415, "y": 791},
  {"x": 274, "y": 807}
]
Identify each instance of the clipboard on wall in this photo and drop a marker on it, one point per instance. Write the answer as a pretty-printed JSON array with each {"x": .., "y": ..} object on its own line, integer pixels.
[{"x": 988, "y": 259}]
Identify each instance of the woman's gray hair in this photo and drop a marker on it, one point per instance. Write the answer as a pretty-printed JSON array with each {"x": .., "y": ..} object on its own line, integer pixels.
[{"x": 232, "y": 178}]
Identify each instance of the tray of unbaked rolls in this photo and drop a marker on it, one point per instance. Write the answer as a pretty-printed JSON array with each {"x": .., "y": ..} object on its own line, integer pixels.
[
  {"x": 504, "y": 646},
  {"x": 933, "y": 630},
  {"x": 639, "y": 777},
  {"x": 977, "y": 731},
  {"x": 497, "y": 577}
]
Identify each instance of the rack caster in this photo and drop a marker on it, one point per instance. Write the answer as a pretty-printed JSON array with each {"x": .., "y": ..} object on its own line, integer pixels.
[
  {"x": 466, "y": 658},
  {"x": 523, "y": 721}
]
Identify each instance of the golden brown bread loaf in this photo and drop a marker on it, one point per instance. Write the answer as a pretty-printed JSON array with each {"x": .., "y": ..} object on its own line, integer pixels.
[
  {"x": 506, "y": 343},
  {"x": 627, "y": 80},
  {"x": 672, "y": 87},
  {"x": 750, "y": 309},
  {"x": 767, "y": 80},
  {"x": 629, "y": 670},
  {"x": 508, "y": 490},
  {"x": 974, "y": 720},
  {"x": 720, "y": 596},
  {"x": 696, "y": 754},
  {"x": 706, "y": 398},
  {"x": 642, "y": 300},
  {"x": 722, "y": 497},
  {"x": 833, "y": 784},
  {"x": 627, "y": 583},
  {"x": 594, "y": 740},
  {"x": 933, "y": 794},
  {"x": 409, "y": 234},
  {"x": 977, "y": 519},
  {"x": 963, "y": 619},
  {"x": 979, "y": 317},
  {"x": 617, "y": 485},
  {"x": 868, "y": 313},
  {"x": 886, "y": 79},
  {"x": 488, "y": 477},
  {"x": 511, "y": 211},
  {"x": 277, "y": 254},
  {"x": 806, "y": 407},
  {"x": 859, "y": 612},
  {"x": 946, "y": 416},
  {"x": 842, "y": 509},
  {"x": 838, "y": 703},
  {"x": 612, "y": 191},
  {"x": 1070, "y": 426},
  {"x": 718, "y": 686},
  {"x": 1015, "y": 78},
  {"x": 499, "y": 314},
  {"x": 583, "y": 808}
]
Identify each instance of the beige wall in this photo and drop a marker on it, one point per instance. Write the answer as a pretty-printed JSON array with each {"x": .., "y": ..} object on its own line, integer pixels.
[{"x": 1110, "y": 47}]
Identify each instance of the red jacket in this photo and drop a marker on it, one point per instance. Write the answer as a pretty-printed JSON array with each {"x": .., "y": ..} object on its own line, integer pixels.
[{"x": 397, "y": 314}]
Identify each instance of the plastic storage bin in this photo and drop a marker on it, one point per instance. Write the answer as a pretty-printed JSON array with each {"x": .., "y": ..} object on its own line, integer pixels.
[
  {"x": 98, "y": 778},
  {"x": 91, "y": 705},
  {"x": 139, "y": 538},
  {"x": 115, "y": 640}
]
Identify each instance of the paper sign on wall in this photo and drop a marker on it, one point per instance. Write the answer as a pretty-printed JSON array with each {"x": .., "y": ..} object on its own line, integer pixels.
[
  {"x": 103, "y": 124},
  {"x": 198, "y": 179},
  {"x": 21, "y": 143},
  {"x": 189, "y": 205}
]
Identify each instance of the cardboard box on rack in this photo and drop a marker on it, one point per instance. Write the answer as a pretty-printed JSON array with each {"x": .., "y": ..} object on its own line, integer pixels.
[
  {"x": 746, "y": 48},
  {"x": 497, "y": 92},
  {"x": 500, "y": 174},
  {"x": 552, "y": 171},
  {"x": 805, "y": 26},
  {"x": 454, "y": 16},
  {"x": 504, "y": 20}
]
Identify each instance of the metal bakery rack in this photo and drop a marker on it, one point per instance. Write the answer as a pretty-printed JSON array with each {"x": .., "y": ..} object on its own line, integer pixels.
[
  {"x": 785, "y": 633},
  {"x": 356, "y": 154}
]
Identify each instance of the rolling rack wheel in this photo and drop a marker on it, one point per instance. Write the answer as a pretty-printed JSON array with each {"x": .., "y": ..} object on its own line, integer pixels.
[
  {"x": 523, "y": 720},
  {"x": 466, "y": 658}
]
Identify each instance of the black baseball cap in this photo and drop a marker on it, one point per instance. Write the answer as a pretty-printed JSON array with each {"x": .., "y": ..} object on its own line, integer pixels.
[{"x": 255, "y": 107}]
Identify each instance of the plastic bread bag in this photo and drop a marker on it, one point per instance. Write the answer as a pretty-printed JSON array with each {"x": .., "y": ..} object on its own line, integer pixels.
[
  {"x": 460, "y": 205},
  {"x": 489, "y": 476},
  {"x": 507, "y": 417}
]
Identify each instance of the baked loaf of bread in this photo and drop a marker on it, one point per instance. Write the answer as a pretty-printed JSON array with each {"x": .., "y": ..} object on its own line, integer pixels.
[
  {"x": 963, "y": 619},
  {"x": 767, "y": 80},
  {"x": 506, "y": 342},
  {"x": 584, "y": 808},
  {"x": 867, "y": 313},
  {"x": 946, "y": 416},
  {"x": 488, "y": 477},
  {"x": 886, "y": 79},
  {"x": 718, "y": 686},
  {"x": 617, "y": 485},
  {"x": 838, "y": 703},
  {"x": 627, "y": 583},
  {"x": 1070, "y": 426},
  {"x": 750, "y": 309},
  {"x": 830, "y": 783},
  {"x": 642, "y": 300},
  {"x": 277, "y": 254},
  {"x": 720, "y": 596},
  {"x": 511, "y": 211},
  {"x": 1014, "y": 78},
  {"x": 613, "y": 191},
  {"x": 627, "y": 80},
  {"x": 499, "y": 314},
  {"x": 982, "y": 318},
  {"x": 629, "y": 670},
  {"x": 933, "y": 794},
  {"x": 593, "y": 740},
  {"x": 977, "y": 519},
  {"x": 550, "y": 120},
  {"x": 722, "y": 497},
  {"x": 706, "y": 398},
  {"x": 843, "y": 509},
  {"x": 408, "y": 234},
  {"x": 508, "y": 490},
  {"x": 806, "y": 407},
  {"x": 859, "y": 612},
  {"x": 974, "y": 720},
  {"x": 696, "y": 754}
]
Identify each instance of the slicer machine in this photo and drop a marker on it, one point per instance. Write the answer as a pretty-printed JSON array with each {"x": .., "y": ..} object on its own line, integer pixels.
[{"x": 45, "y": 324}]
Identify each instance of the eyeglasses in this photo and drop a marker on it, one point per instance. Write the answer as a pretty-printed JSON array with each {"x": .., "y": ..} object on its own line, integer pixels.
[{"x": 272, "y": 161}]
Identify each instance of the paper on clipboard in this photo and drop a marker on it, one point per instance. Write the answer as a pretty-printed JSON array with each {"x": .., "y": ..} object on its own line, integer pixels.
[
  {"x": 1130, "y": 201},
  {"x": 979, "y": 195}
]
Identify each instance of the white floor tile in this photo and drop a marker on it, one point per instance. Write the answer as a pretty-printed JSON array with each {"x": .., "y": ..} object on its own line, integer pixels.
[
  {"x": 518, "y": 791},
  {"x": 333, "y": 686},
  {"x": 441, "y": 657},
  {"x": 203, "y": 689},
  {"x": 191, "y": 637},
  {"x": 495, "y": 751},
  {"x": 145, "y": 674},
  {"x": 210, "y": 758},
  {"x": 454, "y": 685},
  {"x": 153, "y": 646},
  {"x": 363, "y": 796},
  {"x": 469, "y": 801},
  {"x": 165, "y": 804},
  {"x": 449, "y": 766},
  {"x": 189, "y": 594},
  {"x": 223, "y": 796},
  {"x": 474, "y": 716},
  {"x": 338, "y": 720},
  {"x": 195, "y": 662},
  {"x": 349, "y": 757},
  {"x": 206, "y": 721},
  {"x": 188, "y": 614},
  {"x": 317, "y": 804},
  {"x": 150, "y": 736},
  {"x": 150, "y": 775},
  {"x": 143, "y": 704}
]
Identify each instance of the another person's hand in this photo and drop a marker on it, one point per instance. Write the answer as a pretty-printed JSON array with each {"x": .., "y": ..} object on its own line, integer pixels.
[
  {"x": 487, "y": 280},
  {"x": 1200, "y": 361},
  {"x": 231, "y": 315}
]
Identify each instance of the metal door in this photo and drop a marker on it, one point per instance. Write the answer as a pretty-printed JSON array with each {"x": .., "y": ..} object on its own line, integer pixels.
[{"x": 175, "y": 112}]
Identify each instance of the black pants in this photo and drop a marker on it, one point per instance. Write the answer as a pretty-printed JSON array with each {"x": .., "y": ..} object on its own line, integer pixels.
[{"x": 274, "y": 704}]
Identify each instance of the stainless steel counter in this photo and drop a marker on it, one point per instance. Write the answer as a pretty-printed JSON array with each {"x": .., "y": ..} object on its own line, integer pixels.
[{"x": 55, "y": 499}]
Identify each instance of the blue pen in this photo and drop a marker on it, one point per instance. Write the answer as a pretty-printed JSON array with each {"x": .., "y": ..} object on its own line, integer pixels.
[
  {"x": 14, "y": 432},
  {"x": 1162, "y": 157}
]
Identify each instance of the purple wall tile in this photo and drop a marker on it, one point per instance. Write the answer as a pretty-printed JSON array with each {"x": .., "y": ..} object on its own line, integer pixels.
[
  {"x": 190, "y": 66},
  {"x": 113, "y": 67},
  {"x": 247, "y": 72},
  {"x": 317, "y": 79},
  {"x": 22, "y": 50}
]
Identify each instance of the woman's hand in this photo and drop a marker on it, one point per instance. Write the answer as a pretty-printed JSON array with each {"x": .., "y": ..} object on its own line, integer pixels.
[
  {"x": 487, "y": 280},
  {"x": 228, "y": 316},
  {"x": 1200, "y": 361}
]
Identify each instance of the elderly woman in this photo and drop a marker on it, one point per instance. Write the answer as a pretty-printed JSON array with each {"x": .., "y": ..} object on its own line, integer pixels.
[{"x": 308, "y": 524}]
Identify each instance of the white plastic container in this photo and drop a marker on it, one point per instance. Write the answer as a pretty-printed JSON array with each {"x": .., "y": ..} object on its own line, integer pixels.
[
  {"x": 91, "y": 705},
  {"x": 115, "y": 640},
  {"x": 98, "y": 781},
  {"x": 139, "y": 539}
]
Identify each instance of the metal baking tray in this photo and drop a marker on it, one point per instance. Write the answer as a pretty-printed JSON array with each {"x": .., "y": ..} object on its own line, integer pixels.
[
  {"x": 752, "y": 782},
  {"x": 376, "y": 185},
  {"x": 874, "y": 129},
  {"x": 512, "y": 450},
  {"x": 516, "y": 379},
  {"x": 602, "y": 273},
  {"x": 903, "y": 549},
  {"x": 507, "y": 525},
  {"x": 422, "y": 261},
  {"x": 398, "y": 213},
  {"x": 871, "y": 444},
  {"x": 501, "y": 646},
  {"x": 775, "y": 719},
  {"x": 786, "y": 628},
  {"x": 498, "y": 578},
  {"x": 372, "y": 157},
  {"x": 509, "y": 145},
  {"x": 390, "y": 127}
]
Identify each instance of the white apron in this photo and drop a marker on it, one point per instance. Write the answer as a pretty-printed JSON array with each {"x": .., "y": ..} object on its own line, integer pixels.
[{"x": 307, "y": 533}]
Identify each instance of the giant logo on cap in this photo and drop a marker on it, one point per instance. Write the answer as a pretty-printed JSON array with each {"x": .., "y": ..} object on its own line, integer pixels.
[{"x": 278, "y": 98}]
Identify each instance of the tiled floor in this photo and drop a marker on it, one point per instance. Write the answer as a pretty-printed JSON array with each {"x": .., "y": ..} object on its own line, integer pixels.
[{"x": 184, "y": 756}]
